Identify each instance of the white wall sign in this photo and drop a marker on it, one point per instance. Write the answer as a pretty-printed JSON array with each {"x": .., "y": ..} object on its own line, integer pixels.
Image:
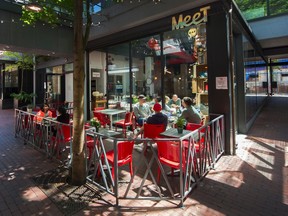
[
  {"x": 95, "y": 74},
  {"x": 221, "y": 83}
]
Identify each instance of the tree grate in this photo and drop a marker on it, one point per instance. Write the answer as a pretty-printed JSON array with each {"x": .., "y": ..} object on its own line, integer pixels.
[{"x": 69, "y": 199}]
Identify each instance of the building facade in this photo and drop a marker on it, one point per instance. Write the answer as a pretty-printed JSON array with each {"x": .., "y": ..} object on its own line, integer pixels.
[{"x": 204, "y": 52}]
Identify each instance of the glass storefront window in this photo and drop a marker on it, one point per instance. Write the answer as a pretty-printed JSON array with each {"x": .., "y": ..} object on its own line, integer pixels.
[
  {"x": 11, "y": 77},
  {"x": 118, "y": 85},
  {"x": 280, "y": 78},
  {"x": 9, "y": 80},
  {"x": 53, "y": 84},
  {"x": 186, "y": 71},
  {"x": 98, "y": 79},
  {"x": 183, "y": 67},
  {"x": 250, "y": 79},
  {"x": 256, "y": 79},
  {"x": 146, "y": 67}
]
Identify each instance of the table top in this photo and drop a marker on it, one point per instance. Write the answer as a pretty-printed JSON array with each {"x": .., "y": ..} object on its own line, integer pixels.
[
  {"x": 172, "y": 132},
  {"x": 111, "y": 111},
  {"x": 104, "y": 132}
]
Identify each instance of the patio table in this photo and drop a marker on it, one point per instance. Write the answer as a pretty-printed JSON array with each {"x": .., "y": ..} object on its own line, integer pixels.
[
  {"x": 172, "y": 132},
  {"x": 110, "y": 113},
  {"x": 104, "y": 132}
]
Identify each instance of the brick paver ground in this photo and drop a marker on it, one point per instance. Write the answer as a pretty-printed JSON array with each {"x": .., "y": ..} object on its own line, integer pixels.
[{"x": 253, "y": 182}]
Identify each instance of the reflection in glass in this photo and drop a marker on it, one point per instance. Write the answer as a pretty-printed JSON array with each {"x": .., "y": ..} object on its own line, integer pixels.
[
  {"x": 256, "y": 79},
  {"x": 118, "y": 76},
  {"x": 280, "y": 76},
  {"x": 186, "y": 71},
  {"x": 146, "y": 58}
]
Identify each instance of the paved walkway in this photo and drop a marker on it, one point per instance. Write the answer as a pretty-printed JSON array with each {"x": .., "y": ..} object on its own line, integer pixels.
[{"x": 253, "y": 182}]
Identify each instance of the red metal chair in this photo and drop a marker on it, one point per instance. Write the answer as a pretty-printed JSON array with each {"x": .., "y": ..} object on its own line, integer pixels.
[
  {"x": 199, "y": 144},
  {"x": 63, "y": 136},
  {"x": 169, "y": 154},
  {"x": 90, "y": 146},
  {"x": 135, "y": 123},
  {"x": 89, "y": 141},
  {"x": 126, "y": 122},
  {"x": 152, "y": 130},
  {"x": 193, "y": 126},
  {"x": 125, "y": 150},
  {"x": 104, "y": 120}
]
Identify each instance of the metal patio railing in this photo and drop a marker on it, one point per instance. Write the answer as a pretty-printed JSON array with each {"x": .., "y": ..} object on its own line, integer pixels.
[
  {"x": 46, "y": 136},
  {"x": 143, "y": 184},
  {"x": 202, "y": 148}
]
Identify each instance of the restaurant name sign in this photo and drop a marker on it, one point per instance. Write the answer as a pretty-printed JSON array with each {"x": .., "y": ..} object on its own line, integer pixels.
[{"x": 189, "y": 20}]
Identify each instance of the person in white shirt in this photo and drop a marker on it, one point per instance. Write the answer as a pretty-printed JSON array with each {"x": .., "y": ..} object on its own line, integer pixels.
[{"x": 141, "y": 110}]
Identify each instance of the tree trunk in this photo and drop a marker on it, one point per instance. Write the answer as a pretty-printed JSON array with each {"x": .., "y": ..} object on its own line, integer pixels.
[{"x": 78, "y": 172}]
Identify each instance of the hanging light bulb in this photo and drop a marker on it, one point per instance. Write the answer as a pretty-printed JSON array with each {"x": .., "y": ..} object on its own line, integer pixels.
[{"x": 33, "y": 7}]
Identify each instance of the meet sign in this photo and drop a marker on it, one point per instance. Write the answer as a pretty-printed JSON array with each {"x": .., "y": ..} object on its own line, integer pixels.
[{"x": 189, "y": 20}]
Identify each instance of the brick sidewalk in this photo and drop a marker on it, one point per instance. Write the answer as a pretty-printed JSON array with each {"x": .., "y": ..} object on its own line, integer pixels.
[
  {"x": 253, "y": 182},
  {"x": 18, "y": 194}
]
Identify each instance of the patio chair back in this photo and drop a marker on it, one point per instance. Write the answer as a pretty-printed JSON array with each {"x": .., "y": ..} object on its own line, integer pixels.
[
  {"x": 152, "y": 130},
  {"x": 193, "y": 126},
  {"x": 126, "y": 122},
  {"x": 125, "y": 150},
  {"x": 169, "y": 154},
  {"x": 104, "y": 120}
]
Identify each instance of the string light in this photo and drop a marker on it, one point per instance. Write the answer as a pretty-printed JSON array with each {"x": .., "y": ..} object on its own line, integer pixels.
[{"x": 43, "y": 24}]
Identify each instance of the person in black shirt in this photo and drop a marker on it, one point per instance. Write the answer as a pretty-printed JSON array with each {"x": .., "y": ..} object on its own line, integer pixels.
[
  {"x": 63, "y": 116},
  {"x": 157, "y": 118}
]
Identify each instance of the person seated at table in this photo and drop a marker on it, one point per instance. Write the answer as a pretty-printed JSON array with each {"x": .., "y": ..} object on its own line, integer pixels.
[
  {"x": 119, "y": 106},
  {"x": 174, "y": 102},
  {"x": 66, "y": 104},
  {"x": 158, "y": 99},
  {"x": 62, "y": 117},
  {"x": 167, "y": 108},
  {"x": 141, "y": 110},
  {"x": 44, "y": 112},
  {"x": 157, "y": 118},
  {"x": 189, "y": 113},
  {"x": 155, "y": 100}
]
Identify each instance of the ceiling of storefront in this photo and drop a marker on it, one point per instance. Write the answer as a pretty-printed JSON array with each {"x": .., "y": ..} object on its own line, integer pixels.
[{"x": 107, "y": 22}]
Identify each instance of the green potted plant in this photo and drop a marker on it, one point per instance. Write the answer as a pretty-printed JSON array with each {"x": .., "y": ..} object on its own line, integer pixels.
[
  {"x": 24, "y": 97},
  {"x": 94, "y": 122},
  {"x": 180, "y": 122}
]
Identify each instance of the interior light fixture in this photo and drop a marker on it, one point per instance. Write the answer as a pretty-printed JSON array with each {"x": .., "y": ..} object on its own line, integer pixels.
[{"x": 33, "y": 7}]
